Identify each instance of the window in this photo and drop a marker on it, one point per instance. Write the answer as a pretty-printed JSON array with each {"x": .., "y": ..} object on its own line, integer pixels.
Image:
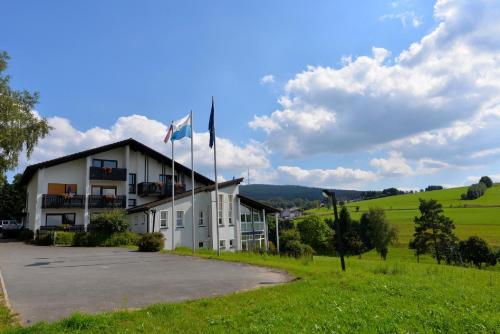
[
  {"x": 257, "y": 217},
  {"x": 56, "y": 219},
  {"x": 246, "y": 242},
  {"x": 200, "y": 244},
  {"x": 104, "y": 190},
  {"x": 61, "y": 188},
  {"x": 222, "y": 243},
  {"x": 132, "y": 183},
  {"x": 231, "y": 243},
  {"x": 132, "y": 202},
  {"x": 230, "y": 209},
  {"x": 164, "y": 178},
  {"x": 180, "y": 219},
  {"x": 260, "y": 241},
  {"x": 201, "y": 222},
  {"x": 104, "y": 163},
  {"x": 164, "y": 219},
  {"x": 221, "y": 206}
]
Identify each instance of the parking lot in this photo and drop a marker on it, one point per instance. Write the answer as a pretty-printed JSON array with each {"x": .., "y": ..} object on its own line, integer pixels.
[{"x": 49, "y": 283}]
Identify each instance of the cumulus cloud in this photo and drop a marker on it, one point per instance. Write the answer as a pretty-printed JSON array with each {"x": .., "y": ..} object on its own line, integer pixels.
[
  {"x": 231, "y": 158},
  {"x": 406, "y": 18},
  {"x": 269, "y": 78},
  {"x": 394, "y": 165},
  {"x": 440, "y": 92}
]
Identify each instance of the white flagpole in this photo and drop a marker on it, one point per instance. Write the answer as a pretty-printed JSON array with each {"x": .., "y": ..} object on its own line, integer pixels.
[
  {"x": 173, "y": 196},
  {"x": 216, "y": 189},
  {"x": 192, "y": 185}
]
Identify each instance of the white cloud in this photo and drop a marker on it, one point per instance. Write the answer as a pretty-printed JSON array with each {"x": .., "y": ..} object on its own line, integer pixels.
[
  {"x": 269, "y": 78},
  {"x": 231, "y": 158},
  {"x": 406, "y": 18},
  {"x": 394, "y": 165},
  {"x": 438, "y": 100}
]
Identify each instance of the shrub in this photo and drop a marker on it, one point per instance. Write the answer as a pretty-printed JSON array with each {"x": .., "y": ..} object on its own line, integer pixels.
[
  {"x": 64, "y": 238},
  {"x": 10, "y": 234},
  {"x": 315, "y": 233},
  {"x": 487, "y": 181},
  {"x": 474, "y": 191},
  {"x": 109, "y": 222},
  {"x": 272, "y": 248},
  {"x": 151, "y": 242},
  {"x": 44, "y": 238},
  {"x": 81, "y": 239},
  {"x": 25, "y": 235},
  {"x": 476, "y": 251},
  {"x": 122, "y": 239}
]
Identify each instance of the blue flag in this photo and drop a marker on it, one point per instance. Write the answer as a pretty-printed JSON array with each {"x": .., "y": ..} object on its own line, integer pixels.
[{"x": 211, "y": 125}]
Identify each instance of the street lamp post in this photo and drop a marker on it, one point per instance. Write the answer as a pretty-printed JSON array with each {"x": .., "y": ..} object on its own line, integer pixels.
[{"x": 338, "y": 230}]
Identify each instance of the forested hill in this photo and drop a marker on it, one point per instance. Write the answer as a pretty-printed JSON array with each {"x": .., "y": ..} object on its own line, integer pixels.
[{"x": 266, "y": 192}]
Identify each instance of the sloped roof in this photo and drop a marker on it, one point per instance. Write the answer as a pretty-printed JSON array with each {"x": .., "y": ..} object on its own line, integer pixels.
[
  {"x": 134, "y": 145},
  {"x": 147, "y": 206},
  {"x": 256, "y": 204}
]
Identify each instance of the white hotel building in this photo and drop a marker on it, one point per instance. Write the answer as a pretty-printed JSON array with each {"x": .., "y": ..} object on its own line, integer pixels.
[{"x": 65, "y": 192}]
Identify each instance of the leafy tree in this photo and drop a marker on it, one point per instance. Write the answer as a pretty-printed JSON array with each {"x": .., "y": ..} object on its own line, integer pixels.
[
  {"x": 377, "y": 231},
  {"x": 315, "y": 233},
  {"x": 432, "y": 188},
  {"x": 20, "y": 128},
  {"x": 351, "y": 238},
  {"x": 433, "y": 231},
  {"x": 12, "y": 198},
  {"x": 474, "y": 191},
  {"x": 476, "y": 251},
  {"x": 487, "y": 181}
]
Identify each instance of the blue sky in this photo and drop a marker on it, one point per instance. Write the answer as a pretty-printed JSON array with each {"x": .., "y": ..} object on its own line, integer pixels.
[{"x": 97, "y": 64}]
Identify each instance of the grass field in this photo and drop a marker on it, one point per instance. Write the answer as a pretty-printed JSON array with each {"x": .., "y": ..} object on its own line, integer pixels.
[
  {"x": 479, "y": 217},
  {"x": 371, "y": 297}
]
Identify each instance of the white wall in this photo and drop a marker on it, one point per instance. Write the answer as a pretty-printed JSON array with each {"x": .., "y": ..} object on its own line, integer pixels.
[{"x": 72, "y": 172}]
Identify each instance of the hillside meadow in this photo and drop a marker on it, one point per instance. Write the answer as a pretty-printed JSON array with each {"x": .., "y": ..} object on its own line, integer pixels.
[{"x": 479, "y": 217}]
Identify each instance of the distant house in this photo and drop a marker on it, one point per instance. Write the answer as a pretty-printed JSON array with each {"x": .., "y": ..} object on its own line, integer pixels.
[
  {"x": 128, "y": 175},
  {"x": 291, "y": 213}
]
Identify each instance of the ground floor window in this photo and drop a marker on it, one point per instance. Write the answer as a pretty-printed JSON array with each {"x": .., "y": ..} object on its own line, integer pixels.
[
  {"x": 260, "y": 241},
  {"x": 164, "y": 219},
  {"x": 222, "y": 244},
  {"x": 251, "y": 242},
  {"x": 132, "y": 202},
  {"x": 200, "y": 244},
  {"x": 180, "y": 219},
  {"x": 56, "y": 219},
  {"x": 231, "y": 243},
  {"x": 246, "y": 242}
]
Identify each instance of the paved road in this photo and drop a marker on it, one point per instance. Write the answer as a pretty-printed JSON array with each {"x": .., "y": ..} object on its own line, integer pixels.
[{"x": 49, "y": 283}]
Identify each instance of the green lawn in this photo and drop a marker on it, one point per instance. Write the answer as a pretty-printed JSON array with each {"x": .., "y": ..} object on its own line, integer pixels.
[
  {"x": 479, "y": 217},
  {"x": 373, "y": 296},
  {"x": 7, "y": 320}
]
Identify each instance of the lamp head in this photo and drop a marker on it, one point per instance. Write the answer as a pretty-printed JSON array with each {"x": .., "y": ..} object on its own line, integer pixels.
[
  {"x": 153, "y": 211},
  {"x": 326, "y": 193}
]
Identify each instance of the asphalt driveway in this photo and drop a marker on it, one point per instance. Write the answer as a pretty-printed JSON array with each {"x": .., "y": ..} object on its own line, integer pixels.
[{"x": 49, "y": 283}]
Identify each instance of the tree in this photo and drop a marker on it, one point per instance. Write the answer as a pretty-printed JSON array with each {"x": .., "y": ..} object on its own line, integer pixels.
[
  {"x": 315, "y": 233},
  {"x": 474, "y": 191},
  {"x": 351, "y": 238},
  {"x": 432, "y": 188},
  {"x": 12, "y": 198},
  {"x": 476, "y": 251},
  {"x": 378, "y": 232},
  {"x": 487, "y": 181},
  {"x": 433, "y": 231},
  {"x": 20, "y": 128}
]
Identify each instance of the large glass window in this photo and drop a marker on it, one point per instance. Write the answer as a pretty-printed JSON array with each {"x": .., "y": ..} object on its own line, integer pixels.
[
  {"x": 104, "y": 190},
  {"x": 164, "y": 219},
  {"x": 104, "y": 163},
  {"x": 230, "y": 209},
  {"x": 132, "y": 183},
  {"x": 180, "y": 219},
  {"x": 56, "y": 219}
]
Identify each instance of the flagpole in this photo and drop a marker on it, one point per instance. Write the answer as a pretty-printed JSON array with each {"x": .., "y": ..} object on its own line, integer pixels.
[
  {"x": 192, "y": 185},
  {"x": 216, "y": 188},
  {"x": 173, "y": 196}
]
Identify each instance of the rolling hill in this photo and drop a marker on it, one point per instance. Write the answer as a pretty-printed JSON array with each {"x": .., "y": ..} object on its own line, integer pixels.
[{"x": 265, "y": 192}]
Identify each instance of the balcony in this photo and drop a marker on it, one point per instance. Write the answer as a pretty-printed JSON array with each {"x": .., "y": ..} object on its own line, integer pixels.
[
  {"x": 159, "y": 189},
  {"x": 246, "y": 227},
  {"x": 63, "y": 201},
  {"x": 106, "y": 202},
  {"x": 108, "y": 173}
]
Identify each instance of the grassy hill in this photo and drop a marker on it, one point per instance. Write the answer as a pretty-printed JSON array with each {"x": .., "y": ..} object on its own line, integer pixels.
[
  {"x": 265, "y": 192},
  {"x": 479, "y": 217}
]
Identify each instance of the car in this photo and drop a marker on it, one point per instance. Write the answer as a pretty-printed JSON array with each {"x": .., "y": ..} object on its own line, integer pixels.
[{"x": 9, "y": 225}]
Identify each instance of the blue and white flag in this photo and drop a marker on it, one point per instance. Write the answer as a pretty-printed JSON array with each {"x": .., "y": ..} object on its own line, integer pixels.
[{"x": 182, "y": 128}]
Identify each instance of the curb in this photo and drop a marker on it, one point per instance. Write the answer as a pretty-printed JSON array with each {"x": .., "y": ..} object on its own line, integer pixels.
[{"x": 4, "y": 291}]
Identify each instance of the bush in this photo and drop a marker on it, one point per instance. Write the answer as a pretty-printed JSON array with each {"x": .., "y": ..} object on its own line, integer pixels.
[
  {"x": 487, "y": 181},
  {"x": 151, "y": 242},
  {"x": 272, "y": 248},
  {"x": 297, "y": 249},
  {"x": 474, "y": 191},
  {"x": 109, "y": 222},
  {"x": 476, "y": 251},
  {"x": 10, "y": 234},
  {"x": 25, "y": 234},
  {"x": 44, "y": 238},
  {"x": 122, "y": 239},
  {"x": 64, "y": 238},
  {"x": 81, "y": 239},
  {"x": 315, "y": 233}
]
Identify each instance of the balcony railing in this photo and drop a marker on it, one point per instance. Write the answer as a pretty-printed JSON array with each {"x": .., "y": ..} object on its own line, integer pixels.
[
  {"x": 159, "y": 189},
  {"x": 108, "y": 173},
  {"x": 247, "y": 227},
  {"x": 63, "y": 201},
  {"x": 110, "y": 202}
]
